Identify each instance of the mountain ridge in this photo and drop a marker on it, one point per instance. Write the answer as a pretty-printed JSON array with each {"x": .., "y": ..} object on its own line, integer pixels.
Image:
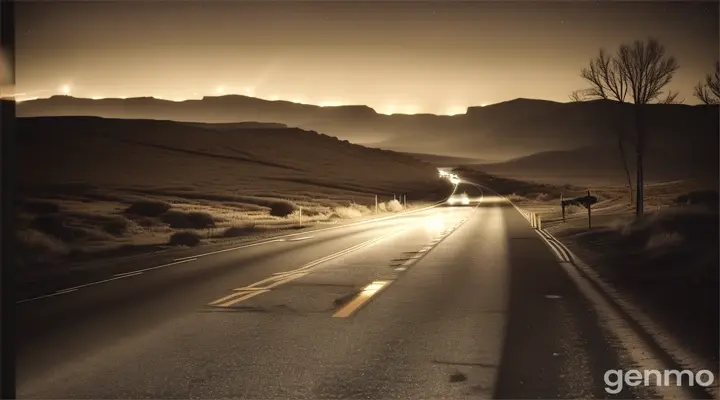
[{"x": 501, "y": 131}]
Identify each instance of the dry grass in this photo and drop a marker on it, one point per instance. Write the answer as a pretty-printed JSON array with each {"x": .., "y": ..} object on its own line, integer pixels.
[
  {"x": 138, "y": 183},
  {"x": 394, "y": 206},
  {"x": 185, "y": 238},
  {"x": 666, "y": 261}
]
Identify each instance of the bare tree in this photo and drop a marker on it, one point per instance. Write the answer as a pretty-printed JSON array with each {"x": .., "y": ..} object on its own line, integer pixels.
[
  {"x": 608, "y": 82},
  {"x": 647, "y": 70},
  {"x": 671, "y": 98},
  {"x": 709, "y": 91}
]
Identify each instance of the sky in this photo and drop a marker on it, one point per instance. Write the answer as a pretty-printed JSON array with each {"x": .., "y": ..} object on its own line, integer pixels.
[{"x": 401, "y": 56}]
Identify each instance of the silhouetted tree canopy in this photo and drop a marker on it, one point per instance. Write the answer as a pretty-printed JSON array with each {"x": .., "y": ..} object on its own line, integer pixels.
[
  {"x": 709, "y": 91},
  {"x": 638, "y": 72}
]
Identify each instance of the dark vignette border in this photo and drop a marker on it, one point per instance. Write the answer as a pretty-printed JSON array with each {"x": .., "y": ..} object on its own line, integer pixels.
[{"x": 7, "y": 192}]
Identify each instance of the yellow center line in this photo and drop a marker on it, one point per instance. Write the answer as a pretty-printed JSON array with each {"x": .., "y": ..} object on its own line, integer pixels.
[
  {"x": 362, "y": 298},
  {"x": 285, "y": 279},
  {"x": 247, "y": 292},
  {"x": 255, "y": 289},
  {"x": 246, "y": 296},
  {"x": 231, "y": 296}
]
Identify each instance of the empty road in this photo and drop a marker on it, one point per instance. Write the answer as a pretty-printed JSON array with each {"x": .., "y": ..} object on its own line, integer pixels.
[{"x": 451, "y": 302}]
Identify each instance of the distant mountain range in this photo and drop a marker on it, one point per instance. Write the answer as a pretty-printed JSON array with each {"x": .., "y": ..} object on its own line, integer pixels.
[
  {"x": 494, "y": 133},
  {"x": 602, "y": 165}
]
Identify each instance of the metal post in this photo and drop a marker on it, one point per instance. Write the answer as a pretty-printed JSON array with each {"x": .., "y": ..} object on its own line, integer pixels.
[
  {"x": 589, "y": 207},
  {"x": 539, "y": 222},
  {"x": 562, "y": 205},
  {"x": 300, "y": 215},
  {"x": 376, "y": 204}
]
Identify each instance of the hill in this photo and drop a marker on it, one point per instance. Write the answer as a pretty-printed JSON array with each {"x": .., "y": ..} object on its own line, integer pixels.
[
  {"x": 602, "y": 165},
  {"x": 89, "y": 184},
  {"x": 443, "y": 161},
  {"x": 496, "y": 132}
]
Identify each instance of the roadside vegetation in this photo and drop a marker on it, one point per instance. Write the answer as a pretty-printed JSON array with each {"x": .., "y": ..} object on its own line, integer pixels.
[
  {"x": 666, "y": 261},
  {"x": 656, "y": 243},
  {"x": 155, "y": 185},
  {"x": 63, "y": 229}
]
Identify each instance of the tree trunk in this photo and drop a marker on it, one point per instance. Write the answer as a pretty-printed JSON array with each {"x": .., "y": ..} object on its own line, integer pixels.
[
  {"x": 639, "y": 150},
  {"x": 621, "y": 148},
  {"x": 639, "y": 185},
  {"x": 622, "y": 133}
]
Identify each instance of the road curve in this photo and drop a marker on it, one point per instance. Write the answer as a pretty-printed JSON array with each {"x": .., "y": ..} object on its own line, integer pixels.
[{"x": 451, "y": 302}]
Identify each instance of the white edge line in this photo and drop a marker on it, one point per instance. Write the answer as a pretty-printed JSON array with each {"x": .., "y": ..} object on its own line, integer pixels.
[
  {"x": 114, "y": 278},
  {"x": 300, "y": 238},
  {"x": 620, "y": 328},
  {"x": 167, "y": 265},
  {"x": 560, "y": 246},
  {"x": 231, "y": 249},
  {"x": 563, "y": 256},
  {"x": 567, "y": 252},
  {"x": 553, "y": 248},
  {"x": 582, "y": 270},
  {"x": 557, "y": 247},
  {"x": 46, "y": 296},
  {"x": 65, "y": 291},
  {"x": 666, "y": 342},
  {"x": 124, "y": 274},
  {"x": 284, "y": 237}
]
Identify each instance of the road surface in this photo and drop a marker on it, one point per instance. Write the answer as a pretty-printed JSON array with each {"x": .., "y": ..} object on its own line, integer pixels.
[{"x": 452, "y": 302}]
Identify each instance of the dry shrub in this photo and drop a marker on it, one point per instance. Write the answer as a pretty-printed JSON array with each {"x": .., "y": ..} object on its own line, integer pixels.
[
  {"x": 363, "y": 209},
  {"x": 67, "y": 229},
  {"x": 346, "y": 213},
  {"x": 394, "y": 206},
  {"x": 240, "y": 230},
  {"x": 36, "y": 246},
  {"x": 314, "y": 211},
  {"x": 146, "y": 222},
  {"x": 282, "y": 208},
  {"x": 515, "y": 197},
  {"x": 113, "y": 224},
  {"x": 185, "y": 238},
  {"x": 188, "y": 220},
  {"x": 148, "y": 208},
  {"x": 575, "y": 209},
  {"x": 543, "y": 197}
]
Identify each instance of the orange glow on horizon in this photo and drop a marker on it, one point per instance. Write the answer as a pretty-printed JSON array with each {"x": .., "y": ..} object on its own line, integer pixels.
[{"x": 220, "y": 91}]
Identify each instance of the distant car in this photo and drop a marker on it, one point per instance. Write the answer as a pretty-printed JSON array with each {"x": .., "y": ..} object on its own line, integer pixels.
[{"x": 461, "y": 198}]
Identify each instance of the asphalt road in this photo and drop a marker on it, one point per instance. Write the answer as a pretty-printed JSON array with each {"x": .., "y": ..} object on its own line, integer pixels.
[{"x": 452, "y": 302}]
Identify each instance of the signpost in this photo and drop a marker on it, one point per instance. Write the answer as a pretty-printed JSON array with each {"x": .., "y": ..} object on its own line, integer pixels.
[{"x": 585, "y": 201}]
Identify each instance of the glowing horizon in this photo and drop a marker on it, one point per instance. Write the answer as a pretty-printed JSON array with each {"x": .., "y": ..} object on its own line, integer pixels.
[
  {"x": 440, "y": 59},
  {"x": 391, "y": 109}
]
